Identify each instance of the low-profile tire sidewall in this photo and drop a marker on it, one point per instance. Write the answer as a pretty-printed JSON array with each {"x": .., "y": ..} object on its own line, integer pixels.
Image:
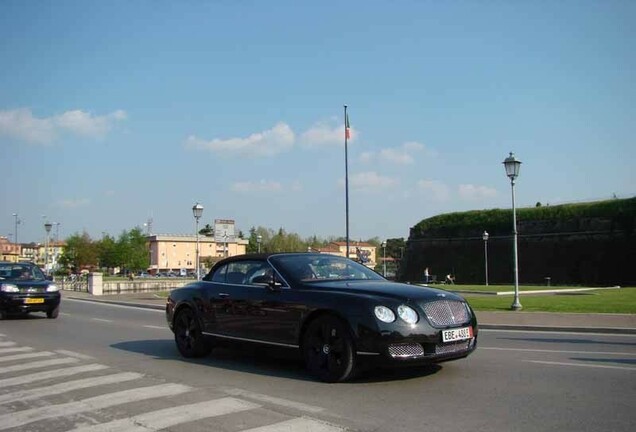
[
  {"x": 349, "y": 358},
  {"x": 200, "y": 346}
]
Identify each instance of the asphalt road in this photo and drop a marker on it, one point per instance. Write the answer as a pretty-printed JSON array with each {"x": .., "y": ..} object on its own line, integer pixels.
[{"x": 116, "y": 368}]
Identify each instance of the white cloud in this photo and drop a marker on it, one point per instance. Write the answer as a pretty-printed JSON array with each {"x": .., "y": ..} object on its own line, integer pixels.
[
  {"x": 267, "y": 143},
  {"x": 73, "y": 203},
  {"x": 402, "y": 155},
  {"x": 437, "y": 190},
  {"x": 260, "y": 186},
  {"x": 22, "y": 125},
  {"x": 370, "y": 182},
  {"x": 326, "y": 134},
  {"x": 471, "y": 192}
]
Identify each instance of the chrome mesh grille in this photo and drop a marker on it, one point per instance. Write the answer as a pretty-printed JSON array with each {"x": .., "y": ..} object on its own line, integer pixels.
[
  {"x": 406, "y": 350},
  {"x": 443, "y": 313},
  {"x": 452, "y": 347}
]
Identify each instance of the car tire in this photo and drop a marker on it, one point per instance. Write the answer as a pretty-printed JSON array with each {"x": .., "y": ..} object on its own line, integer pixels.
[
  {"x": 190, "y": 340},
  {"x": 3, "y": 315},
  {"x": 328, "y": 350},
  {"x": 53, "y": 313}
]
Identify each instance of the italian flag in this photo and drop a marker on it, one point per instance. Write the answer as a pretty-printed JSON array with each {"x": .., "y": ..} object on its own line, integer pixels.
[{"x": 347, "y": 127}]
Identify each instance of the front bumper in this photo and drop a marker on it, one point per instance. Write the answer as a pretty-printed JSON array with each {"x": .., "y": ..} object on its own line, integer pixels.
[
  {"x": 421, "y": 344},
  {"x": 32, "y": 302}
]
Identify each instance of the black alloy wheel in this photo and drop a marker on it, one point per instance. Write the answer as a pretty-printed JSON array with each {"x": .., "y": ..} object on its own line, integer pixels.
[
  {"x": 328, "y": 350},
  {"x": 188, "y": 337},
  {"x": 53, "y": 313}
]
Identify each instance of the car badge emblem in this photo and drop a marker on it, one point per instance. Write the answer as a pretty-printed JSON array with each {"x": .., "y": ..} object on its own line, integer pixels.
[
  {"x": 31, "y": 290},
  {"x": 441, "y": 295}
]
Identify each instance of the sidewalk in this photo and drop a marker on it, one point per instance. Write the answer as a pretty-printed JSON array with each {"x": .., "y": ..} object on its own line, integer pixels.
[{"x": 538, "y": 321}]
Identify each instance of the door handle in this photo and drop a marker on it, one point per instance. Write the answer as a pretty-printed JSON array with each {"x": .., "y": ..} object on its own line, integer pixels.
[{"x": 223, "y": 295}]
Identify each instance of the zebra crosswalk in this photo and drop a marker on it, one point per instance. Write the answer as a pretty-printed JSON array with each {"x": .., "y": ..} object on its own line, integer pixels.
[{"x": 65, "y": 391}]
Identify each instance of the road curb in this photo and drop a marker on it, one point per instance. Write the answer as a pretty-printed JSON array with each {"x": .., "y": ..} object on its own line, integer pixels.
[{"x": 563, "y": 329}]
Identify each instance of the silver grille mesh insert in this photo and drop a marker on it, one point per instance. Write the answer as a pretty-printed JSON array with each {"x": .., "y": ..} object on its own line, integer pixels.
[
  {"x": 442, "y": 313},
  {"x": 451, "y": 348},
  {"x": 406, "y": 350}
]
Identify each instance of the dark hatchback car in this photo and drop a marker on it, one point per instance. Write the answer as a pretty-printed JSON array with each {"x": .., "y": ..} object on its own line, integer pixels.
[
  {"x": 337, "y": 312},
  {"x": 25, "y": 288}
]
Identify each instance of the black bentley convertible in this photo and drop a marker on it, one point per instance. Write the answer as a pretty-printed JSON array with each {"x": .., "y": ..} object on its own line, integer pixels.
[{"x": 335, "y": 311}]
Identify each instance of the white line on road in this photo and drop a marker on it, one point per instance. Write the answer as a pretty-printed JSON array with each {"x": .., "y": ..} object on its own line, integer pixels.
[
  {"x": 26, "y": 356},
  {"x": 274, "y": 400},
  {"x": 75, "y": 354},
  {"x": 558, "y": 351},
  {"x": 161, "y": 311},
  {"x": 580, "y": 365},
  {"x": 552, "y": 332},
  {"x": 49, "y": 374},
  {"x": 7, "y": 344},
  {"x": 24, "y": 417},
  {"x": 298, "y": 424},
  {"x": 38, "y": 364},
  {"x": 156, "y": 327},
  {"x": 15, "y": 349},
  {"x": 101, "y": 320},
  {"x": 64, "y": 387},
  {"x": 173, "y": 416}
]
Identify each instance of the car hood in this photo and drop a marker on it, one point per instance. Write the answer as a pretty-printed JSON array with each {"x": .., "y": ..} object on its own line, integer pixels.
[{"x": 398, "y": 291}]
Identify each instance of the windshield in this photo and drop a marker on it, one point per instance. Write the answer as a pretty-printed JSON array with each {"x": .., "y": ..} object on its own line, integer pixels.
[
  {"x": 321, "y": 267},
  {"x": 17, "y": 271}
]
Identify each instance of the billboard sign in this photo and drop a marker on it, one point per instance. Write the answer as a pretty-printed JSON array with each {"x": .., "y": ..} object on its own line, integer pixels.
[{"x": 224, "y": 231}]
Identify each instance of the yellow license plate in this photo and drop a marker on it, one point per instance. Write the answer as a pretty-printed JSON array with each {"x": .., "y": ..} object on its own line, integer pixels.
[{"x": 33, "y": 300}]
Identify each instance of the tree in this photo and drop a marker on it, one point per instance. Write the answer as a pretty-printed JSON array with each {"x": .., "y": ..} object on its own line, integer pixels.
[
  {"x": 207, "y": 231},
  {"x": 81, "y": 252}
]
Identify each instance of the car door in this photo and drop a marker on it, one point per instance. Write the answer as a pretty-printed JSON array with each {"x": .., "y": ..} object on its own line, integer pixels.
[{"x": 245, "y": 305}]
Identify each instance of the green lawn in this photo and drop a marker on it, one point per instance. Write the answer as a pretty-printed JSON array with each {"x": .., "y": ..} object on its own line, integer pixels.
[{"x": 621, "y": 300}]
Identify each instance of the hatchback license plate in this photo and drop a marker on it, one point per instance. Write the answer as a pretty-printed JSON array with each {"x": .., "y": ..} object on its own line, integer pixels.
[
  {"x": 33, "y": 300},
  {"x": 457, "y": 334}
]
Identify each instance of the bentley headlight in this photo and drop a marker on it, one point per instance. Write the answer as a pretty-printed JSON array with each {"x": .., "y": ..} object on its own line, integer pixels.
[
  {"x": 407, "y": 314},
  {"x": 52, "y": 288},
  {"x": 384, "y": 314},
  {"x": 5, "y": 287}
]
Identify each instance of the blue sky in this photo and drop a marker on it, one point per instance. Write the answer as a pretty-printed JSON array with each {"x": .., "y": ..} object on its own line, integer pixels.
[{"x": 114, "y": 112}]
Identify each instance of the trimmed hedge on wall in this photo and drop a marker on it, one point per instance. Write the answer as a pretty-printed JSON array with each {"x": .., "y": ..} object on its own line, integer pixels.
[{"x": 579, "y": 244}]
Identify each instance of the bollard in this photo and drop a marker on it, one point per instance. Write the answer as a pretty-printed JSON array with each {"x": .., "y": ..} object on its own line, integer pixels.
[{"x": 547, "y": 281}]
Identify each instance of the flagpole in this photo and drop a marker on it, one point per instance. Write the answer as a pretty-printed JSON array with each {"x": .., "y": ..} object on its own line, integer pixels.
[{"x": 346, "y": 179}]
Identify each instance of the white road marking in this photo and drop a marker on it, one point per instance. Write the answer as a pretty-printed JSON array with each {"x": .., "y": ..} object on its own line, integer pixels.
[
  {"x": 301, "y": 424},
  {"x": 54, "y": 373},
  {"x": 64, "y": 387},
  {"x": 26, "y": 356},
  {"x": 38, "y": 364},
  {"x": 75, "y": 354},
  {"x": 15, "y": 349},
  {"x": 24, "y": 417},
  {"x": 275, "y": 400},
  {"x": 156, "y": 327},
  {"x": 558, "y": 351},
  {"x": 580, "y": 365},
  {"x": 173, "y": 416},
  {"x": 101, "y": 320},
  {"x": 162, "y": 310},
  {"x": 552, "y": 332},
  {"x": 7, "y": 344}
]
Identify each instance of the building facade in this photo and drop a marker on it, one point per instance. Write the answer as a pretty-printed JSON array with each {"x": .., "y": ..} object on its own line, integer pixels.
[
  {"x": 176, "y": 252},
  {"x": 362, "y": 252}
]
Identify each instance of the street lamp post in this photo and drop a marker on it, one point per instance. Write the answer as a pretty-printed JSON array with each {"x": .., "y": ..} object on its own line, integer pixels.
[
  {"x": 384, "y": 258},
  {"x": 485, "y": 238},
  {"x": 197, "y": 212},
  {"x": 512, "y": 166},
  {"x": 259, "y": 239},
  {"x": 47, "y": 228}
]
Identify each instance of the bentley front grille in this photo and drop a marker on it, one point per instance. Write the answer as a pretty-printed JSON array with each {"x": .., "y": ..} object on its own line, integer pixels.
[
  {"x": 452, "y": 348},
  {"x": 444, "y": 313},
  {"x": 407, "y": 350}
]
